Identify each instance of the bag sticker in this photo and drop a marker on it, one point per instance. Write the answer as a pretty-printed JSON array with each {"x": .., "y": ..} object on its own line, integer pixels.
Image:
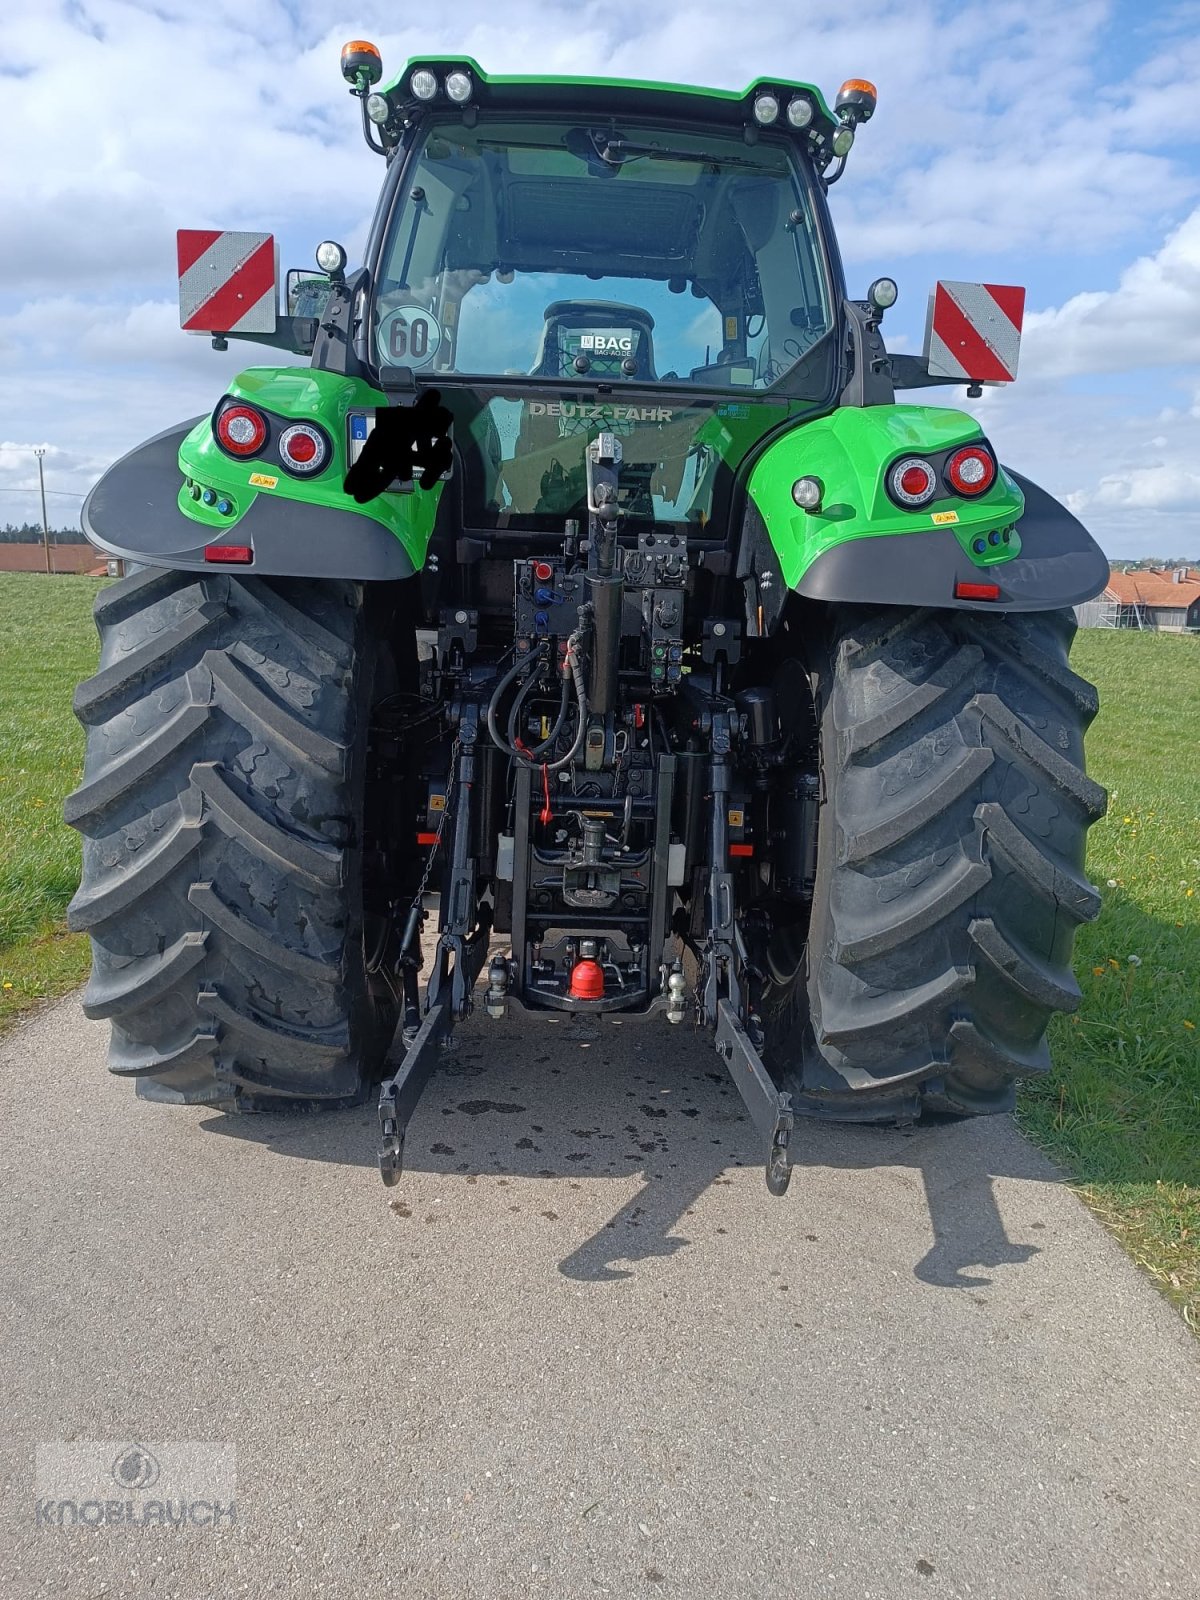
[
  {"x": 944, "y": 516},
  {"x": 611, "y": 342},
  {"x": 263, "y": 480},
  {"x": 409, "y": 336}
]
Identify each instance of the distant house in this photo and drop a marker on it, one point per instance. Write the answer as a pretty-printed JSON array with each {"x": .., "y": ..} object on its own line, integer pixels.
[
  {"x": 1168, "y": 601},
  {"x": 63, "y": 558}
]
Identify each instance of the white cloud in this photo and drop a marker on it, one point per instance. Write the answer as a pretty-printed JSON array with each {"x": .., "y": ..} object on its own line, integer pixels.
[
  {"x": 1151, "y": 319},
  {"x": 1160, "y": 487}
]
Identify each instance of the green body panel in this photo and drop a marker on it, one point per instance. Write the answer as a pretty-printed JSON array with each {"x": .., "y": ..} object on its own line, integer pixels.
[
  {"x": 302, "y": 394},
  {"x": 635, "y": 86},
  {"x": 850, "y": 450}
]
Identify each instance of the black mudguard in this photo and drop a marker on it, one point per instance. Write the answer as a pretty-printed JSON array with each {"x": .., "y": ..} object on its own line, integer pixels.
[
  {"x": 1060, "y": 565},
  {"x": 132, "y": 513}
]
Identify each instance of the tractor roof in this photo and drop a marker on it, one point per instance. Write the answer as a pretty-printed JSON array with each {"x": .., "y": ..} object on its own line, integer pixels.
[{"x": 604, "y": 96}]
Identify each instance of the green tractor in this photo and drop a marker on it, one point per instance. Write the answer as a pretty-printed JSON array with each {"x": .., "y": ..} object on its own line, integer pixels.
[{"x": 591, "y": 585}]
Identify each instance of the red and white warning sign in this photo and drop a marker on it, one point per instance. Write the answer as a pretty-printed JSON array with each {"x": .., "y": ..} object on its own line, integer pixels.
[
  {"x": 974, "y": 331},
  {"x": 227, "y": 281}
]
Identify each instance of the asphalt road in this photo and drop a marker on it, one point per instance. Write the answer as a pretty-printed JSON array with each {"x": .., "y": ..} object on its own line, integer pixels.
[{"x": 580, "y": 1350}]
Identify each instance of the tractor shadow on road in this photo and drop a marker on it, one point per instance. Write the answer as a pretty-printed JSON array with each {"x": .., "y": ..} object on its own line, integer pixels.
[{"x": 579, "y": 1105}]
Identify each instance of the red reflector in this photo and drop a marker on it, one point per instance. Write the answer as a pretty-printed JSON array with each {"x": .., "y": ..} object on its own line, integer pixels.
[
  {"x": 977, "y": 591},
  {"x": 741, "y": 849},
  {"x": 241, "y": 553},
  {"x": 427, "y": 838},
  {"x": 587, "y": 981}
]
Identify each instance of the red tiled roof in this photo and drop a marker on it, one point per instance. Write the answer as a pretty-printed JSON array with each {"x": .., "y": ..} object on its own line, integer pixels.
[
  {"x": 63, "y": 558},
  {"x": 1154, "y": 588}
]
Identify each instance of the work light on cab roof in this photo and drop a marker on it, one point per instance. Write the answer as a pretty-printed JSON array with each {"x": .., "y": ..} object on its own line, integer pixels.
[{"x": 429, "y": 84}]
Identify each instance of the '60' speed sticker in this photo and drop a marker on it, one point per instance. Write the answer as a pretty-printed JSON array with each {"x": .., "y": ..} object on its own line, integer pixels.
[{"x": 409, "y": 336}]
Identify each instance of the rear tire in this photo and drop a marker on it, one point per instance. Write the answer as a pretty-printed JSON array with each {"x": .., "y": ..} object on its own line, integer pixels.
[
  {"x": 950, "y": 866},
  {"x": 221, "y": 810}
]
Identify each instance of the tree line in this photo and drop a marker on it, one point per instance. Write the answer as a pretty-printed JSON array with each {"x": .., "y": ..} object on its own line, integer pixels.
[{"x": 31, "y": 533}]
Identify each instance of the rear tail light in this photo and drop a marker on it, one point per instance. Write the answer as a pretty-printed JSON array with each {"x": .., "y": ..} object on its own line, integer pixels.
[
  {"x": 241, "y": 430},
  {"x": 911, "y": 482},
  {"x": 303, "y": 449},
  {"x": 971, "y": 471}
]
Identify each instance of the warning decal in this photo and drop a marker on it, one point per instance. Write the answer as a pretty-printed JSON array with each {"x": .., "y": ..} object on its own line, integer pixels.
[
  {"x": 226, "y": 281},
  {"x": 974, "y": 331}
]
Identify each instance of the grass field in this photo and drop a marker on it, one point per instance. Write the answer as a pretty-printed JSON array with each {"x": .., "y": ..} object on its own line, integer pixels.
[
  {"x": 47, "y": 643},
  {"x": 1120, "y": 1112}
]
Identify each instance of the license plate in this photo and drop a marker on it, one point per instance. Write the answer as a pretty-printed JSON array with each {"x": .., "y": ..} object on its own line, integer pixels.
[{"x": 361, "y": 425}]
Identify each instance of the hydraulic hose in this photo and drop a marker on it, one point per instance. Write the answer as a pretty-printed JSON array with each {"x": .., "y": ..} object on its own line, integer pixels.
[
  {"x": 530, "y": 757},
  {"x": 581, "y": 697},
  {"x": 494, "y": 705}
]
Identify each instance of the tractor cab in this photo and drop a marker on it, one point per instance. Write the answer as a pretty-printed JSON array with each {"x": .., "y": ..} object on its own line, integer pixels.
[{"x": 626, "y": 249}]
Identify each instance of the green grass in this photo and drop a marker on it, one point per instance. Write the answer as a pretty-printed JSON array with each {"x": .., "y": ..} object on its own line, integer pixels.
[
  {"x": 47, "y": 644},
  {"x": 1121, "y": 1109}
]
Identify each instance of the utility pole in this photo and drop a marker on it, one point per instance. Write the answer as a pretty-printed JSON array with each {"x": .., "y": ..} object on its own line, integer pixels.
[{"x": 39, "y": 452}]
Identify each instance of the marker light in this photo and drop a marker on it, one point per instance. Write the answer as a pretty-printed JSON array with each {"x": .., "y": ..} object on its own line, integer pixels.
[
  {"x": 807, "y": 492},
  {"x": 883, "y": 293},
  {"x": 971, "y": 471},
  {"x": 377, "y": 107},
  {"x": 912, "y": 482},
  {"x": 842, "y": 140},
  {"x": 423, "y": 85},
  {"x": 766, "y": 109},
  {"x": 241, "y": 430},
  {"x": 361, "y": 56},
  {"x": 331, "y": 258},
  {"x": 303, "y": 449},
  {"x": 459, "y": 87},
  {"x": 800, "y": 111},
  {"x": 856, "y": 100}
]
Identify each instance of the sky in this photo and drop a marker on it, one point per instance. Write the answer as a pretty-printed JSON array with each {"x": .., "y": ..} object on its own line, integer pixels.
[{"x": 1054, "y": 146}]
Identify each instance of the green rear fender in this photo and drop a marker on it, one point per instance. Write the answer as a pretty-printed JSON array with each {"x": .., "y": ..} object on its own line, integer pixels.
[
  {"x": 298, "y": 394},
  {"x": 850, "y": 451},
  {"x": 1024, "y": 548},
  {"x": 179, "y": 500}
]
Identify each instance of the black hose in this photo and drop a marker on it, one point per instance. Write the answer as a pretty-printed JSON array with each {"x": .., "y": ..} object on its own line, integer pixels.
[
  {"x": 493, "y": 704},
  {"x": 576, "y": 673}
]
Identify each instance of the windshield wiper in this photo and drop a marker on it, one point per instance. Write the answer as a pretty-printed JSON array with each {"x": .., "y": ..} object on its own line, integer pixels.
[{"x": 631, "y": 151}]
